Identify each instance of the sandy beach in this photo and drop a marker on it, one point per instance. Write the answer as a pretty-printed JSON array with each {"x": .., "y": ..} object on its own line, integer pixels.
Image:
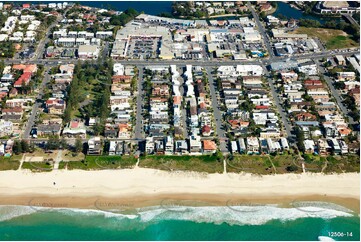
[{"x": 144, "y": 187}]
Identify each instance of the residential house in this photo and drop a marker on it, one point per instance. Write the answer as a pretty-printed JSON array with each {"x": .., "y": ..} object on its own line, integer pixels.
[
  {"x": 6, "y": 128},
  {"x": 323, "y": 147},
  {"x": 116, "y": 147},
  {"x": 209, "y": 146},
  {"x": 284, "y": 143},
  {"x": 24, "y": 79},
  {"x": 67, "y": 69},
  {"x": 149, "y": 145},
  {"x": 111, "y": 131},
  {"x": 169, "y": 145},
  {"x": 75, "y": 129},
  {"x": 206, "y": 130},
  {"x": 159, "y": 145},
  {"x": 195, "y": 144},
  {"x": 340, "y": 60},
  {"x": 48, "y": 129},
  {"x": 124, "y": 131},
  {"x": 309, "y": 146},
  {"x": 252, "y": 145},
  {"x": 335, "y": 146},
  {"x": 345, "y": 76},
  {"x": 289, "y": 76},
  {"x": 9, "y": 148},
  {"x": 95, "y": 146},
  {"x": 12, "y": 114},
  {"x": 343, "y": 146},
  {"x": 13, "y": 92},
  {"x": 55, "y": 106},
  {"x": 305, "y": 116},
  {"x": 242, "y": 146}
]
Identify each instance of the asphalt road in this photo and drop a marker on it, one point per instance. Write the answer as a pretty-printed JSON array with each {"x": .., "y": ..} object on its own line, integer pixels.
[
  {"x": 216, "y": 62},
  {"x": 37, "y": 104},
  {"x": 139, "y": 134},
  {"x": 351, "y": 19},
  {"x": 184, "y": 112},
  {"x": 40, "y": 49},
  {"x": 105, "y": 52},
  {"x": 217, "y": 113},
  {"x": 205, "y": 63},
  {"x": 261, "y": 30},
  {"x": 336, "y": 94},
  {"x": 284, "y": 116}
]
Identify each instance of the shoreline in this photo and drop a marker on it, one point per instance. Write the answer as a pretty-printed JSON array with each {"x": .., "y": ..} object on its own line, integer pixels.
[
  {"x": 120, "y": 204},
  {"x": 142, "y": 187}
]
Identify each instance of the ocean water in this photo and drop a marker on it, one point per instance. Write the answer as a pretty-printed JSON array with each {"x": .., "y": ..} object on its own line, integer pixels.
[{"x": 266, "y": 222}]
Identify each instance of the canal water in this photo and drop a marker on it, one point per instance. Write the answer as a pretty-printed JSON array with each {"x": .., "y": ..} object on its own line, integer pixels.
[
  {"x": 148, "y": 7},
  {"x": 155, "y": 8},
  {"x": 290, "y": 12}
]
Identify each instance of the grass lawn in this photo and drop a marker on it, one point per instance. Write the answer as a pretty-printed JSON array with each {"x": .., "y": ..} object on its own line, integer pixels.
[
  {"x": 340, "y": 164},
  {"x": 333, "y": 38},
  {"x": 41, "y": 153},
  {"x": 249, "y": 163},
  {"x": 100, "y": 163},
  {"x": 38, "y": 166},
  {"x": 284, "y": 162},
  {"x": 262, "y": 164},
  {"x": 335, "y": 164},
  {"x": 68, "y": 155},
  {"x": 10, "y": 163},
  {"x": 202, "y": 163}
]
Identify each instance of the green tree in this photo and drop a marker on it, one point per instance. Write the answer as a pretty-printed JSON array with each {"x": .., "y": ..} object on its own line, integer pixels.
[
  {"x": 292, "y": 168},
  {"x": 339, "y": 85},
  {"x": 78, "y": 147},
  {"x": 300, "y": 138},
  {"x": 98, "y": 128},
  {"x": 53, "y": 143},
  {"x": 63, "y": 143},
  {"x": 17, "y": 149},
  {"x": 24, "y": 146},
  {"x": 67, "y": 115}
]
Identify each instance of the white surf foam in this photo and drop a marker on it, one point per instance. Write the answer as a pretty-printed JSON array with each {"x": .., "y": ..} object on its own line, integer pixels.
[
  {"x": 237, "y": 215},
  {"x": 240, "y": 215},
  {"x": 8, "y": 212}
]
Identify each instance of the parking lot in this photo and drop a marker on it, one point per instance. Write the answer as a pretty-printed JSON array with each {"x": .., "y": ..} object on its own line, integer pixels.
[{"x": 144, "y": 47}]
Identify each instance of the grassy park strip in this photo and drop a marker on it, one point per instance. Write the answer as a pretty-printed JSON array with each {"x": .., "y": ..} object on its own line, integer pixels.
[
  {"x": 204, "y": 163},
  {"x": 254, "y": 164},
  {"x": 38, "y": 166},
  {"x": 10, "y": 163},
  {"x": 100, "y": 163}
]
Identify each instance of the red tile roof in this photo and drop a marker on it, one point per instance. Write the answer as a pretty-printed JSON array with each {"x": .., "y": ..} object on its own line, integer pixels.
[
  {"x": 74, "y": 124},
  {"x": 202, "y": 105},
  {"x": 177, "y": 100},
  {"x": 262, "y": 107},
  {"x": 209, "y": 145},
  {"x": 25, "y": 77},
  {"x": 206, "y": 129},
  {"x": 11, "y": 110}
]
